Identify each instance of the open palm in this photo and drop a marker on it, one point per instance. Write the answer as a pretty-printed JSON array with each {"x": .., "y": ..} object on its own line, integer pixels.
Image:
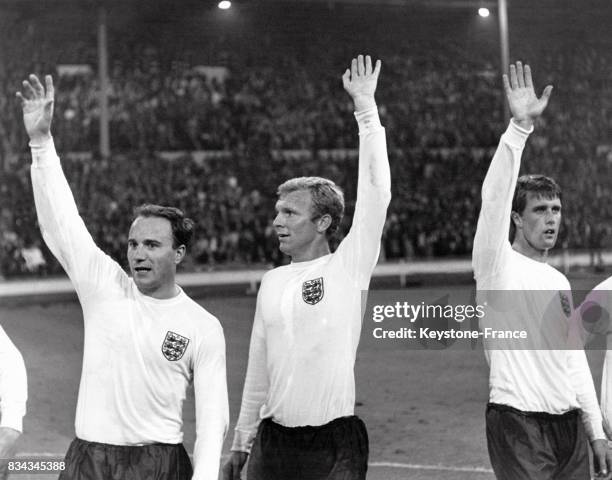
[
  {"x": 37, "y": 105},
  {"x": 524, "y": 104},
  {"x": 360, "y": 81}
]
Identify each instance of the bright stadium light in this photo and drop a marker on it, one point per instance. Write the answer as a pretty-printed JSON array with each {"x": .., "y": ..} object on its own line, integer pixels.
[
  {"x": 225, "y": 4},
  {"x": 483, "y": 12}
]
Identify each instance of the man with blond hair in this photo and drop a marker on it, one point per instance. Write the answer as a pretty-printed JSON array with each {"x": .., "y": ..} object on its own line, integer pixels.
[{"x": 297, "y": 417}]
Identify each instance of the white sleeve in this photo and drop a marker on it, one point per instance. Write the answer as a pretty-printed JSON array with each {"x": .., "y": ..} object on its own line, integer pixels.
[
  {"x": 359, "y": 250},
  {"x": 582, "y": 381},
  {"x": 256, "y": 385},
  {"x": 212, "y": 409},
  {"x": 492, "y": 231},
  {"x": 63, "y": 229},
  {"x": 606, "y": 392},
  {"x": 13, "y": 384}
]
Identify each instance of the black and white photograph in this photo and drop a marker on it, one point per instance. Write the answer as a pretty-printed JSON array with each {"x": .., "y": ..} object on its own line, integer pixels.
[{"x": 305, "y": 240}]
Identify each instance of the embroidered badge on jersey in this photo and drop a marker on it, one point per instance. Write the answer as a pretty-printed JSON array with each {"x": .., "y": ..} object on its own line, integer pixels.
[
  {"x": 174, "y": 346},
  {"x": 312, "y": 291},
  {"x": 565, "y": 304}
]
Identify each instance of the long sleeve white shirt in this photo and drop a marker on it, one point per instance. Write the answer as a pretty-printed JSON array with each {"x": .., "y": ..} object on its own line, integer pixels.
[
  {"x": 140, "y": 353},
  {"x": 539, "y": 380},
  {"x": 308, "y": 315},
  {"x": 13, "y": 384}
]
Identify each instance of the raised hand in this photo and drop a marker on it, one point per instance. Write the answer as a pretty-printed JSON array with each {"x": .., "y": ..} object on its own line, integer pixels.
[
  {"x": 37, "y": 105},
  {"x": 360, "y": 82},
  {"x": 524, "y": 104}
]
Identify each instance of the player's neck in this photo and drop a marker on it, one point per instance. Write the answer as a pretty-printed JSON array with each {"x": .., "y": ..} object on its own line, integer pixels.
[
  {"x": 163, "y": 292},
  {"x": 312, "y": 252},
  {"x": 523, "y": 247}
]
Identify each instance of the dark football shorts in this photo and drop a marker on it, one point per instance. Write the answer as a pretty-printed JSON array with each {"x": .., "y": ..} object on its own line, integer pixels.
[
  {"x": 100, "y": 461},
  {"x": 337, "y": 450},
  {"x": 536, "y": 445}
]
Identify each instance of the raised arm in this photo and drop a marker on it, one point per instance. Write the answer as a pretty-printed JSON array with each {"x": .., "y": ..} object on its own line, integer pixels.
[
  {"x": 498, "y": 187},
  {"x": 254, "y": 396},
  {"x": 13, "y": 396},
  {"x": 360, "y": 248},
  {"x": 63, "y": 229},
  {"x": 212, "y": 410}
]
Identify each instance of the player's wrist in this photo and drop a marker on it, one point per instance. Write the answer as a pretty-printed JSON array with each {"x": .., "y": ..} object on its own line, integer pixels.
[
  {"x": 41, "y": 140},
  {"x": 364, "y": 102},
  {"x": 524, "y": 123},
  {"x": 599, "y": 441}
]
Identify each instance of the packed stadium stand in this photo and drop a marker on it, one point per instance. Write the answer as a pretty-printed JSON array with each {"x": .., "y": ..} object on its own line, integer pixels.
[{"x": 218, "y": 145}]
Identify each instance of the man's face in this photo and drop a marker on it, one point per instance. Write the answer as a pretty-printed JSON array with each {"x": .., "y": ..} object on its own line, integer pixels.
[
  {"x": 151, "y": 256},
  {"x": 540, "y": 221},
  {"x": 294, "y": 225}
]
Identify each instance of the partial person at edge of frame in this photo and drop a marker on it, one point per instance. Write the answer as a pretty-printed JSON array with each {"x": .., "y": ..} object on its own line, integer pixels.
[
  {"x": 13, "y": 398},
  {"x": 594, "y": 319}
]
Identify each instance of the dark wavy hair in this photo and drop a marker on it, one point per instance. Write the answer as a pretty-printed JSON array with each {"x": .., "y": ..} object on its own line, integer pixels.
[
  {"x": 540, "y": 186},
  {"x": 182, "y": 227}
]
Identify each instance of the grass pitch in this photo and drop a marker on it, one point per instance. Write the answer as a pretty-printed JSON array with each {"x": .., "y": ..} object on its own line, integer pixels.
[{"x": 424, "y": 409}]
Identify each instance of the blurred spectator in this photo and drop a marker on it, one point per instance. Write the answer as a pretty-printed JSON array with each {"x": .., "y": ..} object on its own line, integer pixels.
[
  {"x": 34, "y": 261},
  {"x": 281, "y": 113}
]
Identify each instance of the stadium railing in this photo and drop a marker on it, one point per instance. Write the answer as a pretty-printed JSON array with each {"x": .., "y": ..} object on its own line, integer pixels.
[{"x": 563, "y": 260}]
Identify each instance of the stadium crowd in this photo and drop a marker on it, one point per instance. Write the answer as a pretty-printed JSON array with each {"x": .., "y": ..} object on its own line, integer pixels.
[{"x": 275, "y": 117}]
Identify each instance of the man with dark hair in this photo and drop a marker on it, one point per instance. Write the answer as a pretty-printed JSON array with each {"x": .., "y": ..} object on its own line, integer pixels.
[
  {"x": 538, "y": 185},
  {"x": 145, "y": 340},
  {"x": 297, "y": 415},
  {"x": 536, "y": 396},
  {"x": 182, "y": 227}
]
